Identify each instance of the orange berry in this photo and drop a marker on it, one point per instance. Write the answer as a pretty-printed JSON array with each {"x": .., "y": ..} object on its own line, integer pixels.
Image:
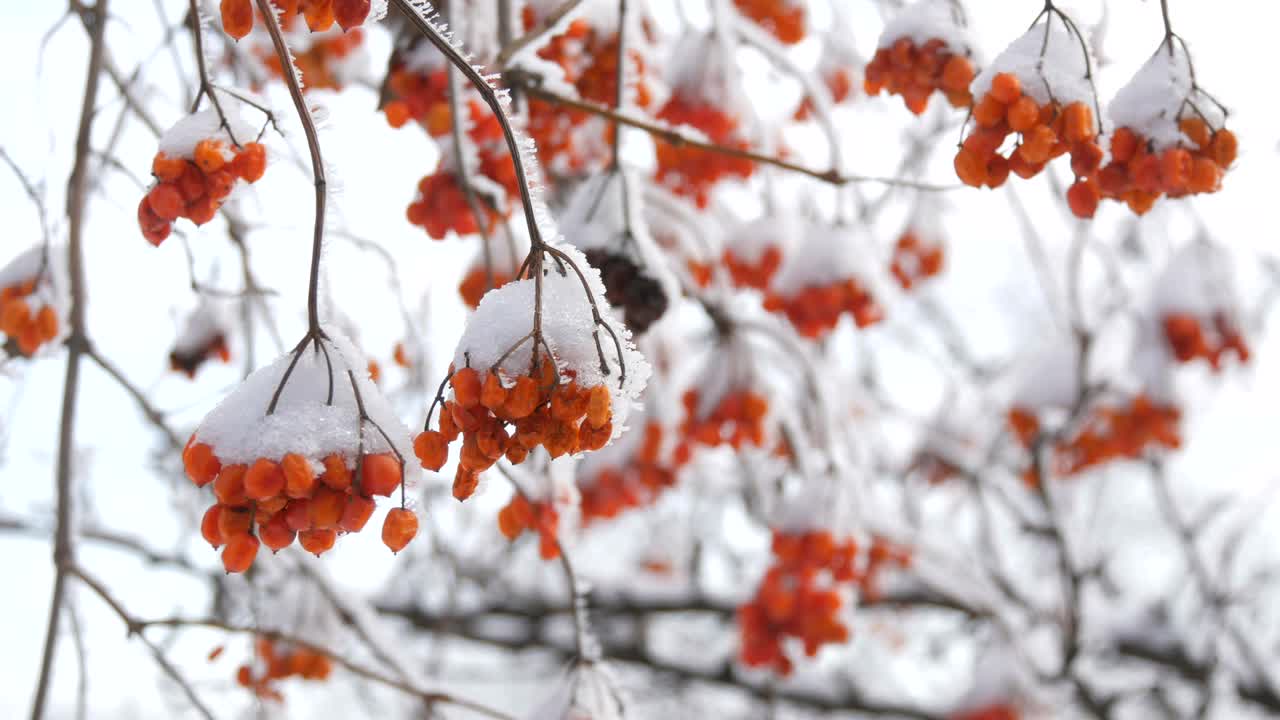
[
  {"x": 997, "y": 173},
  {"x": 237, "y": 17},
  {"x": 1077, "y": 123},
  {"x": 319, "y": 15},
  {"x": 357, "y": 512},
  {"x": 1006, "y": 87},
  {"x": 208, "y": 155},
  {"x": 507, "y": 523},
  {"x": 399, "y": 529},
  {"x": 516, "y": 453},
  {"x": 317, "y": 542},
  {"x": 297, "y": 514},
  {"x": 229, "y": 486},
  {"x": 1082, "y": 198},
  {"x": 957, "y": 74},
  {"x": 1197, "y": 131},
  {"x": 1175, "y": 170},
  {"x": 432, "y": 449},
  {"x": 234, "y": 521},
  {"x": 397, "y": 112},
  {"x": 970, "y": 168},
  {"x": 239, "y": 553},
  {"x": 271, "y": 506},
  {"x": 325, "y": 509},
  {"x": 264, "y": 479},
  {"x": 1023, "y": 114},
  {"x": 599, "y": 406},
  {"x": 350, "y": 13},
  {"x": 522, "y": 399},
  {"x": 466, "y": 388},
  {"x": 1223, "y": 148},
  {"x": 198, "y": 459},
  {"x": 493, "y": 395},
  {"x": 336, "y": 473},
  {"x": 168, "y": 169},
  {"x": 250, "y": 163},
  {"x": 465, "y": 481},
  {"x": 276, "y": 533},
  {"x": 299, "y": 478},
  {"x": 1124, "y": 145},
  {"x": 211, "y": 527},
  {"x": 380, "y": 474},
  {"x": 1205, "y": 175},
  {"x": 593, "y": 438},
  {"x": 201, "y": 210},
  {"x": 989, "y": 112},
  {"x": 165, "y": 201}
]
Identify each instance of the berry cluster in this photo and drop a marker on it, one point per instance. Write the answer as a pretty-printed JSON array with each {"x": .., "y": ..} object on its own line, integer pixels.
[
  {"x": 188, "y": 360},
  {"x": 915, "y": 260},
  {"x": 1190, "y": 339},
  {"x": 815, "y": 310},
  {"x": 319, "y": 63},
  {"x": 756, "y": 274},
  {"x": 633, "y": 484},
  {"x": 477, "y": 282},
  {"x": 1107, "y": 434},
  {"x": 539, "y": 516},
  {"x": 640, "y": 297},
  {"x": 916, "y": 72},
  {"x": 284, "y": 499},
  {"x": 195, "y": 187},
  {"x": 540, "y": 410},
  {"x": 1138, "y": 176},
  {"x": 442, "y": 206},
  {"x": 238, "y": 15},
  {"x": 280, "y": 664},
  {"x": 690, "y": 171},
  {"x": 738, "y": 418},
  {"x": 839, "y": 82},
  {"x": 797, "y": 598},
  {"x": 1045, "y": 132},
  {"x": 24, "y": 319},
  {"x": 783, "y": 19},
  {"x": 423, "y": 96}
]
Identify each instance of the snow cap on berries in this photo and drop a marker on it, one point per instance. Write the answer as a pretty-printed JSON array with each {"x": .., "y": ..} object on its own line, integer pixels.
[
  {"x": 1152, "y": 101},
  {"x": 240, "y": 431},
  {"x": 821, "y": 257},
  {"x": 1059, "y": 73},
  {"x": 925, "y": 20},
  {"x": 180, "y": 140},
  {"x": 505, "y": 318},
  {"x": 46, "y": 266}
]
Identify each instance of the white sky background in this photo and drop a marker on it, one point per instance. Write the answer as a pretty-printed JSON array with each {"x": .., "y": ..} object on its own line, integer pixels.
[{"x": 136, "y": 290}]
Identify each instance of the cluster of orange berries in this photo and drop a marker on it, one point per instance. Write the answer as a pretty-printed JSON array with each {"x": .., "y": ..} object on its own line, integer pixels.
[
  {"x": 195, "y": 187},
  {"x": 1107, "y": 435},
  {"x": 541, "y": 411},
  {"x": 783, "y": 19},
  {"x": 28, "y": 329},
  {"x": 634, "y": 484},
  {"x": 281, "y": 664},
  {"x": 424, "y": 97},
  {"x": 1045, "y": 132},
  {"x": 442, "y": 206},
  {"x": 757, "y": 274},
  {"x": 283, "y": 500},
  {"x": 238, "y": 15},
  {"x": 318, "y": 63},
  {"x": 916, "y": 72},
  {"x": 1138, "y": 176},
  {"x": 539, "y": 516},
  {"x": 914, "y": 260},
  {"x": 1189, "y": 339},
  {"x": 738, "y": 418},
  {"x": 815, "y": 310},
  {"x": 692, "y": 172},
  {"x": 189, "y": 361},
  {"x": 839, "y": 82},
  {"x": 477, "y": 282}
]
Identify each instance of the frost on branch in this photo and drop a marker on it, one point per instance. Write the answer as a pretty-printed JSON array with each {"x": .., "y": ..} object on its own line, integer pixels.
[
  {"x": 588, "y": 692},
  {"x": 32, "y": 291}
]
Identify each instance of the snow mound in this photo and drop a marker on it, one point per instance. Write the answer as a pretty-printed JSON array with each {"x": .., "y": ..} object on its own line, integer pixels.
[
  {"x": 926, "y": 20},
  {"x": 1151, "y": 102},
  {"x": 1058, "y": 73},
  {"x": 823, "y": 255},
  {"x": 1196, "y": 281},
  {"x": 239, "y": 429},
  {"x": 783, "y": 231},
  {"x": 180, "y": 140},
  {"x": 504, "y": 320}
]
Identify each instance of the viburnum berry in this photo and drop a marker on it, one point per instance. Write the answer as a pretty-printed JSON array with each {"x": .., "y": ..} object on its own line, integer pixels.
[
  {"x": 202, "y": 338},
  {"x": 692, "y": 172},
  {"x": 1190, "y": 338},
  {"x": 916, "y": 72},
  {"x": 194, "y": 186},
  {"x": 399, "y": 528},
  {"x": 325, "y": 63},
  {"x": 27, "y": 314},
  {"x": 915, "y": 260},
  {"x": 636, "y": 482},
  {"x": 276, "y": 661},
  {"x": 540, "y": 516},
  {"x": 814, "y": 310},
  {"x": 783, "y": 19}
]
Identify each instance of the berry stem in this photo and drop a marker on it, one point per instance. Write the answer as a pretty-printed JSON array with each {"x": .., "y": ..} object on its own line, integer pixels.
[
  {"x": 202, "y": 66},
  {"x": 317, "y": 162}
]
